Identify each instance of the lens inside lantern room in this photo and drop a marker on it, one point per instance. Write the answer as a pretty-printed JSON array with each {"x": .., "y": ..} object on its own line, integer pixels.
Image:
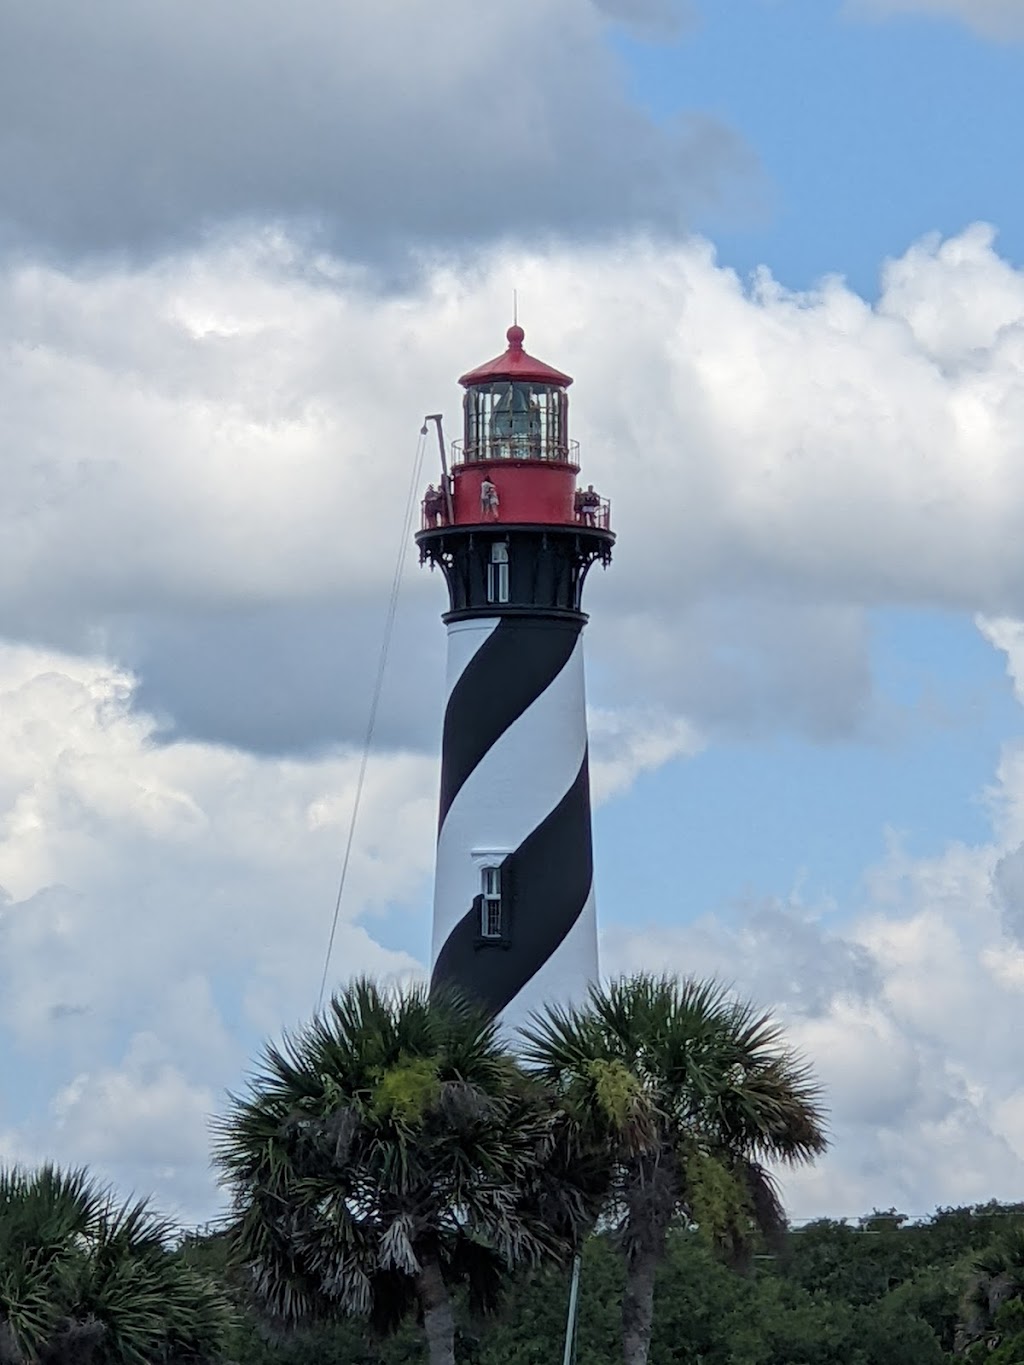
[{"x": 512, "y": 419}]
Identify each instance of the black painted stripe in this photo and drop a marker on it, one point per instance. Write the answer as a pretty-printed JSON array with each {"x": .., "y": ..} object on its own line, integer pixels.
[
  {"x": 550, "y": 876},
  {"x": 515, "y": 664}
]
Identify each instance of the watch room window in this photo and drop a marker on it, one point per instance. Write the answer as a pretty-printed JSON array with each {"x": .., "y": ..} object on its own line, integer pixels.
[{"x": 497, "y": 573}]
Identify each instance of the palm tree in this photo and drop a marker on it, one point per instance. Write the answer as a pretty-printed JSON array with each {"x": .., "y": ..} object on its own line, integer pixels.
[
  {"x": 687, "y": 1093},
  {"x": 85, "y": 1280},
  {"x": 997, "y": 1280},
  {"x": 389, "y": 1151}
]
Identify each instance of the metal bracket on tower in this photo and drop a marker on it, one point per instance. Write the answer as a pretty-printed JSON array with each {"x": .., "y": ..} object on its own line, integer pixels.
[{"x": 446, "y": 482}]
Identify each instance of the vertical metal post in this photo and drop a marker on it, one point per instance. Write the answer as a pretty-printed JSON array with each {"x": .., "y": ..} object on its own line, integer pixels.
[
  {"x": 446, "y": 483},
  {"x": 574, "y": 1303}
]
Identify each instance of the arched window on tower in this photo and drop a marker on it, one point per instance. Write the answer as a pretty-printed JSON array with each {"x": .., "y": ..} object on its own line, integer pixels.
[
  {"x": 492, "y": 915},
  {"x": 497, "y": 572}
]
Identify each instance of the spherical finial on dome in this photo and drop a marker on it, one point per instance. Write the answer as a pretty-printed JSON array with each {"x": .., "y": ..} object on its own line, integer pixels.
[{"x": 516, "y": 364}]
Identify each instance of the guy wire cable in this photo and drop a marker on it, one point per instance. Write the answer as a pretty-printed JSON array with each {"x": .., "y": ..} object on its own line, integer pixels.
[{"x": 389, "y": 623}]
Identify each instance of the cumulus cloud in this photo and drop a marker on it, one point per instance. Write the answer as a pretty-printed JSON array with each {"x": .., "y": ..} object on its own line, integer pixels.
[
  {"x": 159, "y": 1134},
  {"x": 992, "y": 18},
  {"x": 627, "y": 742},
  {"x": 208, "y": 458},
  {"x": 908, "y": 1020},
  {"x": 379, "y": 125},
  {"x": 164, "y": 906},
  {"x": 908, "y": 1012},
  {"x": 1007, "y": 635}
]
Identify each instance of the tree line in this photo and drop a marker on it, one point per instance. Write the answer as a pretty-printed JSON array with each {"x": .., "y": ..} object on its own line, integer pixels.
[{"x": 407, "y": 1183}]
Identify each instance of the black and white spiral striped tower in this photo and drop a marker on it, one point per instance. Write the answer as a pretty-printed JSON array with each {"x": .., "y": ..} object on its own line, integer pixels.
[{"x": 514, "y": 913}]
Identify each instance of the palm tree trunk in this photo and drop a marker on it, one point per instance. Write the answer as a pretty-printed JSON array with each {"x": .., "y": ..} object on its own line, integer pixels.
[
  {"x": 638, "y": 1307},
  {"x": 10, "y": 1354},
  {"x": 438, "y": 1318}
]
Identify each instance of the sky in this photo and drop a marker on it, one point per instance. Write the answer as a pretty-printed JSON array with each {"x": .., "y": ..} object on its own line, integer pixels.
[{"x": 243, "y": 249}]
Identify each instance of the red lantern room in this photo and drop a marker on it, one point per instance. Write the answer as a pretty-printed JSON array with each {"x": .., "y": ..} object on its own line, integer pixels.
[
  {"x": 508, "y": 523},
  {"x": 515, "y": 462}
]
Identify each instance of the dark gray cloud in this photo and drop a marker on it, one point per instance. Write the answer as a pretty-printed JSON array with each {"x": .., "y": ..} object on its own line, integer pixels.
[
  {"x": 290, "y": 678},
  {"x": 1008, "y": 884},
  {"x": 999, "y": 19},
  {"x": 127, "y": 126},
  {"x": 741, "y": 664},
  {"x": 650, "y": 18}
]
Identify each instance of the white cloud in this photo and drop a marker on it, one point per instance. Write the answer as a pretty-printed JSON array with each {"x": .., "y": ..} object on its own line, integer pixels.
[
  {"x": 1007, "y": 634},
  {"x": 208, "y": 459},
  {"x": 166, "y": 906},
  {"x": 206, "y": 463},
  {"x": 140, "y": 1125},
  {"x": 914, "y": 1047},
  {"x": 171, "y": 907},
  {"x": 991, "y": 18},
  {"x": 909, "y": 1013},
  {"x": 624, "y": 744}
]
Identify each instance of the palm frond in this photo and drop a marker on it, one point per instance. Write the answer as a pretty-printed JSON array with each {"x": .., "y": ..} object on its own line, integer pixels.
[
  {"x": 660, "y": 1074},
  {"x": 396, "y": 1124},
  {"x": 84, "y": 1273}
]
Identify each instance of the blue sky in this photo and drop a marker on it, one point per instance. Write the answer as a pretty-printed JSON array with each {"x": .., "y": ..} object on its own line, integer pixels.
[
  {"x": 782, "y": 817},
  {"x": 868, "y": 133},
  {"x": 236, "y": 268}
]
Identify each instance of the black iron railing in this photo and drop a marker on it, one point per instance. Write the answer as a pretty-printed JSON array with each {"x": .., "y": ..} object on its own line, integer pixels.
[
  {"x": 434, "y": 513},
  {"x": 516, "y": 448},
  {"x": 597, "y": 514}
]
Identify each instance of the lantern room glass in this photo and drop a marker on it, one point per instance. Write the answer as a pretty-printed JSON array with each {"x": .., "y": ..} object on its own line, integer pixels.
[{"x": 513, "y": 419}]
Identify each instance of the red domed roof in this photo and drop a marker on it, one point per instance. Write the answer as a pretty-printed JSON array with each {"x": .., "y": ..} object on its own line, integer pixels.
[{"x": 516, "y": 364}]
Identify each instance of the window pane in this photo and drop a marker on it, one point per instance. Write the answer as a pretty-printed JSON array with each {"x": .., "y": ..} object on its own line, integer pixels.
[{"x": 497, "y": 582}]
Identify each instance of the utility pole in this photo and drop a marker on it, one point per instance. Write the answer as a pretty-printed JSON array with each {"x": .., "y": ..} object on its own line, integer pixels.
[{"x": 574, "y": 1305}]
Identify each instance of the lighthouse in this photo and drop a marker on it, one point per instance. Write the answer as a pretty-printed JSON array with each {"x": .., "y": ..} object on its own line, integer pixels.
[{"x": 515, "y": 534}]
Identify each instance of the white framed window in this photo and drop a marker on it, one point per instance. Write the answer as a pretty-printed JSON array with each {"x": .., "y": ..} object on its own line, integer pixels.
[
  {"x": 497, "y": 572},
  {"x": 491, "y": 911}
]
